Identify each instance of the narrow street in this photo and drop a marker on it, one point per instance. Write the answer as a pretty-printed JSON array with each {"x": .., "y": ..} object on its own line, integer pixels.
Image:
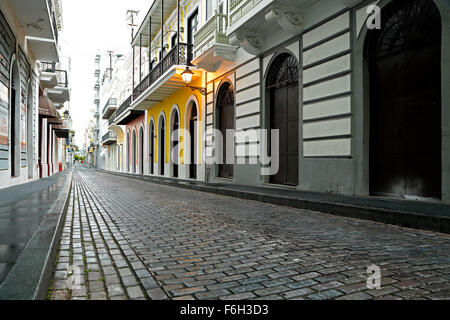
[{"x": 138, "y": 240}]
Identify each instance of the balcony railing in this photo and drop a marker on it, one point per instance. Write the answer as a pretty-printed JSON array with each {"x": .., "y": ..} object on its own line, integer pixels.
[
  {"x": 112, "y": 119},
  {"x": 48, "y": 66},
  {"x": 110, "y": 135},
  {"x": 111, "y": 102},
  {"x": 239, "y": 8},
  {"x": 181, "y": 54},
  {"x": 62, "y": 78},
  {"x": 124, "y": 106},
  {"x": 218, "y": 23}
]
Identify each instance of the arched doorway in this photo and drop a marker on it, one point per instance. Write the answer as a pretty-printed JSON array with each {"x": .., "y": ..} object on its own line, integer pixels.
[
  {"x": 151, "y": 140},
  {"x": 134, "y": 152},
  {"x": 30, "y": 142},
  {"x": 282, "y": 99},
  {"x": 225, "y": 112},
  {"x": 175, "y": 139},
  {"x": 162, "y": 144},
  {"x": 128, "y": 152},
  {"x": 405, "y": 100},
  {"x": 191, "y": 123},
  {"x": 141, "y": 151},
  {"x": 14, "y": 114}
]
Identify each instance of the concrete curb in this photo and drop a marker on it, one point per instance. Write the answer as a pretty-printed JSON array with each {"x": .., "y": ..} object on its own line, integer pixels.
[
  {"x": 30, "y": 277},
  {"x": 432, "y": 222}
]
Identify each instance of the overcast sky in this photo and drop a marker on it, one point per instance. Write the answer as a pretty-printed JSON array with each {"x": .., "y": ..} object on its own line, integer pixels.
[{"x": 92, "y": 26}]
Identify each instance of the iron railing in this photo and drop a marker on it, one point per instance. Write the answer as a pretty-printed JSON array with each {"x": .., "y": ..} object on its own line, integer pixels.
[
  {"x": 109, "y": 135},
  {"x": 124, "y": 106},
  {"x": 180, "y": 54},
  {"x": 111, "y": 102},
  {"x": 60, "y": 74},
  {"x": 48, "y": 66},
  {"x": 112, "y": 118},
  {"x": 62, "y": 78}
]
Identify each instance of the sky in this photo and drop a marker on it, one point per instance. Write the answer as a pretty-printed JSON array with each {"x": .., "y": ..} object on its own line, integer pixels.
[{"x": 91, "y": 27}]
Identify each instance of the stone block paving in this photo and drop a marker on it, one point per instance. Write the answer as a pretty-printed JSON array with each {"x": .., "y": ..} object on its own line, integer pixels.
[{"x": 138, "y": 240}]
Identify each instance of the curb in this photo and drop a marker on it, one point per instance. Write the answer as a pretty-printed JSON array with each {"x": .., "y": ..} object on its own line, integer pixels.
[
  {"x": 432, "y": 222},
  {"x": 61, "y": 204},
  {"x": 38, "y": 257}
]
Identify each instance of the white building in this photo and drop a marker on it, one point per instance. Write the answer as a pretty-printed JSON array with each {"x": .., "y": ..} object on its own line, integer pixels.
[{"x": 32, "y": 88}]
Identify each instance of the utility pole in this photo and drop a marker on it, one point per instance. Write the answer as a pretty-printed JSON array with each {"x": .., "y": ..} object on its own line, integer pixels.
[{"x": 131, "y": 15}]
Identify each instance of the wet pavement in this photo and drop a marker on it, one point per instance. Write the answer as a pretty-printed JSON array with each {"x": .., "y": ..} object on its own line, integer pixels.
[
  {"x": 22, "y": 210},
  {"x": 131, "y": 239}
]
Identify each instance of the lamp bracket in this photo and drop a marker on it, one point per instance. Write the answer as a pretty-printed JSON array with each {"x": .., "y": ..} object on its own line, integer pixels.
[{"x": 200, "y": 89}]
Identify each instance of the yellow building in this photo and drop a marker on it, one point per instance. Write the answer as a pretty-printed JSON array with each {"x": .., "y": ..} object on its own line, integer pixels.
[{"x": 162, "y": 51}]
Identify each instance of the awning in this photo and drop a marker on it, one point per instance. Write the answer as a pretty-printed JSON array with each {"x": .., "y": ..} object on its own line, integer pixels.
[
  {"x": 62, "y": 133},
  {"x": 47, "y": 108}
]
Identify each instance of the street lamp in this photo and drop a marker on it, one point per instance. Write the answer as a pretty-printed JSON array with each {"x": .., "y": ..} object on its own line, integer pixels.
[
  {"x": 187, "y": 78},
  {"x": 66, "y": 114}
]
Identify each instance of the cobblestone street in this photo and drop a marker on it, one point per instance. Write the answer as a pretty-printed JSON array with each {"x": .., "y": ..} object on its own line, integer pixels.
[{"x": 137, "y": 240}]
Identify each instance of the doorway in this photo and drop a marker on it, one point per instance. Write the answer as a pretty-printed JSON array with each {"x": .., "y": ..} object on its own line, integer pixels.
[
  {"x": 175, "y": 142},
  {"x": 405, "y": 101},
  {"x": 283, "y": 97},
  {"x": 162, "y": 144},
  {"x": 151, "y": 139},
  {"x": 192, "y": 123},
  {"x": 225, "y": 111},
  {"x": 141, "y": 151},
  {"x": 14, "y": 114}
]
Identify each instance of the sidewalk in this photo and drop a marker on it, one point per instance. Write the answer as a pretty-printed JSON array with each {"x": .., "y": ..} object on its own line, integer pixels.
[
  {"x": 433, "y": 216},
  {"x": 30, "y": 216}
]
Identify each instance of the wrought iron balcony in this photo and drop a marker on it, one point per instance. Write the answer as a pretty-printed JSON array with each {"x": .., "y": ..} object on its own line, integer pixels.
[
  {"x": 109, "y": 108},
  {"x": 109, "y": 138},
  {"x": 49, "y": 67},
  {"x": 124, "y": 114},
  {"x": 124, "y": 106},
  {"x": 112, "y": 119},
  {"x": 60, "y": 93},
  {"x": 180, "y": 55},
  {"x": 48, "y": 77}
]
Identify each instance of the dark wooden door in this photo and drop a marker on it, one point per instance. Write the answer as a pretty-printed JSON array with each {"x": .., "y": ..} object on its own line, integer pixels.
[
  {"x": 284, "y": 117},
  {"x": 141, "y": 151},
  {"x": 152, "y": 148},
  {"x": 283, "y": 96},
  {"x": 162, "y": 149},
  {"x": 192, "y": 130},
  {"x": 175, "y": 127},
  {"x": 225, "y": 105},
  {"x": 12, "y": 135},
  {"x": 405, "y": 132}
]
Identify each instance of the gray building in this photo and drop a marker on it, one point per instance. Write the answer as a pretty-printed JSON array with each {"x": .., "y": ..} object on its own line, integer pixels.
[{"x": 361, "y": 110}]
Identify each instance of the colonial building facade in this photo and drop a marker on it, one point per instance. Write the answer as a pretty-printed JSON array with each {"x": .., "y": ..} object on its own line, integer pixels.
[
  {"x": 356, "y": 90},
  {"x": 33, "y": 87}
]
